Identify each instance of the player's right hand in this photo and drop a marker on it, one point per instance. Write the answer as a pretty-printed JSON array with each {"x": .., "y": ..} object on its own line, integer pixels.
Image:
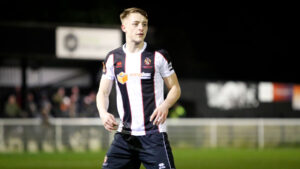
[{"x": 109, "y": 121}]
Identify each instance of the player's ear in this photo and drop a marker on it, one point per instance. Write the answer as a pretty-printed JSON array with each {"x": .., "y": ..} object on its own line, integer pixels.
[{"x": 123, "y": 27}]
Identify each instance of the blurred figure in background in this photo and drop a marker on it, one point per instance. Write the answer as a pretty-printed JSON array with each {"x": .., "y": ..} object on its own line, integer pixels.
[
  {"x": 45, "y": 131},
  {"x": 65, "y": 107},
  {"x": 12, "y": 109},
  {"x": 31, "y": 108},
  {"x": 18, "y": 95},
  {"x": 75, "y": 102},
  {"x": 57, "y": 100},
  {"x": 74, "y": 106},
  {"x": 45, "y": 109},
  {"x": 89, "y": 106}
]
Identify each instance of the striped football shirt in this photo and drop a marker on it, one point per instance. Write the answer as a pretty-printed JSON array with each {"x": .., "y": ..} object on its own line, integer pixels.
[{"x": 140, "y": 86}]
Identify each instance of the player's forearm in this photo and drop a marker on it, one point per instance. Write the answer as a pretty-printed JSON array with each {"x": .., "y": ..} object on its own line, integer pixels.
[
  {"x": 103, "y": 95},
  {"x": 173, "y": 96},
  {"x": 102, "y": 102}
]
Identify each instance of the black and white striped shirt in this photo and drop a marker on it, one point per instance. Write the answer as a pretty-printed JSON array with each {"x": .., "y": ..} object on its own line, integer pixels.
[{"x": 139, "y": 85}]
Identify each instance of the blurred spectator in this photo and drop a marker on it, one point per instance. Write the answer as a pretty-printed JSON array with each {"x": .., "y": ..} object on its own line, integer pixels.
[
  {"x": 75, "y": 91},
  {"x": 42, "y": 105},
  {"x": 18, "y": 96},
  {"x": 177, "y": 111},
  {"x": 45, "y": 110},
  {"x": 73, "y": 108},
  {"x": 12, "y": 109},
  {"x": 89, "y": 107},
  {"x": 65, "y": 107},
  {"x": 76, "y": 100},
  {"x": 57, "y": 100},
  {"x": 31, "y": 107}
]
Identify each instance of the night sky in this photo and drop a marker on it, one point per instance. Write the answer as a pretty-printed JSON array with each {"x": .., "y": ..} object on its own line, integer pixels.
[{"x": 206, "y": 41}]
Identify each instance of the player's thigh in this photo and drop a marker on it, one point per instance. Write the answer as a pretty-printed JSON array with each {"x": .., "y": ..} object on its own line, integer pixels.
[
  {"x": 120, "y": 156},
  {"x": 157, "y": 153},
  {"x": 121, "y": 163}
]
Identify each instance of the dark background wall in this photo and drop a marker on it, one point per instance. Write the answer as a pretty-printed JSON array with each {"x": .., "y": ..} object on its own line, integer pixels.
[
  {"x": 215, "y": 41},
  {"x": 239, "y": 42}
]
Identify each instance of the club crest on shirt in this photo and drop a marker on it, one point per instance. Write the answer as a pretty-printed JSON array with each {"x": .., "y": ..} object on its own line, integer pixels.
[
  {"x": 147, "y": 61},
  {"x": 122, "y": 77}
]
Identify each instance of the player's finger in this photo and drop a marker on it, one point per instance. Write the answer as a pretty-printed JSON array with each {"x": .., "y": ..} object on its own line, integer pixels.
[
  {"x": 112, "y": 120},
  {"x": 107, "y": 125},
  {"x": 162, "y": 120},
  {"x": 157, "y": 119},
  {"x": 113, "y": 123},
  {"x": 153, "y": 115},
  {"x": 112, "y": 128},
  {"x": 109, "y": 128}
]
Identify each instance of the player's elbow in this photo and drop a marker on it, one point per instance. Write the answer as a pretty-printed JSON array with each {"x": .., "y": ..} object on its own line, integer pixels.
[
  {"x": 102, "y": 94},
  {"x": 98, "y": 96}
]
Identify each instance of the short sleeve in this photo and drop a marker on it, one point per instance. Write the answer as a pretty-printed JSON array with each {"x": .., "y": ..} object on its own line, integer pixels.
[
  {"x": 108, "y": 68},
  {"x": 165, "y": 64}
]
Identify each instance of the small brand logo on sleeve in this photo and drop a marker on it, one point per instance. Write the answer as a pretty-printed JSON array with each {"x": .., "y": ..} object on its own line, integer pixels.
[{"x": 170, "y": 66}]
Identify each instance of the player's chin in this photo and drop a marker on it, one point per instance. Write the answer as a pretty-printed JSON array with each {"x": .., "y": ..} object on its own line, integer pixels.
[{"x": 139, "y": 39}]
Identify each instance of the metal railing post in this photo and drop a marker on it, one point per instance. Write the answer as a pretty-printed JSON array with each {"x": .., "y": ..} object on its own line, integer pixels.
[
  {"x": 58, "y": 135},
  {"x": 261, "y": 133},
  {"x": 213, "y": 134},
  {"x": 1, "y": 137}
]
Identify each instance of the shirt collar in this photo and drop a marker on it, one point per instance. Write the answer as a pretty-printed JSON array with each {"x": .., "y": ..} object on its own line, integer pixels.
[{"x": 140, "y": 51}]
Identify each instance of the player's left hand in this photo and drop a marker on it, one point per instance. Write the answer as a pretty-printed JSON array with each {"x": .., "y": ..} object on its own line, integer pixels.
[{"x": 160, "y": 114}]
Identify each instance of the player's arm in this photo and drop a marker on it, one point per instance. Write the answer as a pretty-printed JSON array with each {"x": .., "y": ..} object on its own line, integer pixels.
[
  {"x": 160, "y": 114},
  {"x": 108, "y": 119}
]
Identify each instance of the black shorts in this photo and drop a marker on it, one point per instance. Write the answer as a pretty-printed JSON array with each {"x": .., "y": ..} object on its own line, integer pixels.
[{"x": 128, "y": 152}]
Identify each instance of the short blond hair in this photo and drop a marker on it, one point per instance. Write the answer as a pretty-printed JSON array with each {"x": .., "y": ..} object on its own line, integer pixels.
[{"x": 128, "y": 11}]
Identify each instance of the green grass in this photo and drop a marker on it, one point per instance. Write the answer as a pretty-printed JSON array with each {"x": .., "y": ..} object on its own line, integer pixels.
[{"x": 281, "y": 158}]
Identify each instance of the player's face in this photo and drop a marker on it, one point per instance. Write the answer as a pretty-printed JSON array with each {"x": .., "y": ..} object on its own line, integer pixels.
[{"x": 135, "y": 26}]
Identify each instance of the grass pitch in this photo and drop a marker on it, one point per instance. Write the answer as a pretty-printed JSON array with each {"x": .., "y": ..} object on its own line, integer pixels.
[{"x": 281, "y": 158}]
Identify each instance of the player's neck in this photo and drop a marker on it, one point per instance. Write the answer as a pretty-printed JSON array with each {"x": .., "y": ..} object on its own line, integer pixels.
[{"x": 133, "y": 47}]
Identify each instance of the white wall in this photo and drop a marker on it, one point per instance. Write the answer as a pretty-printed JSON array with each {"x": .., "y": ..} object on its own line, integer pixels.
[{"x": 11, "y": 76}]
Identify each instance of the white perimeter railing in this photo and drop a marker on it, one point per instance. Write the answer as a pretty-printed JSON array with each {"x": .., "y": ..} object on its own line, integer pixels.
[{"x": 82, "y": 134}]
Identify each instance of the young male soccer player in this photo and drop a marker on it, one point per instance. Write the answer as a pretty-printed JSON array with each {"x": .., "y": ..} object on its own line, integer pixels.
[{"x": 140, "y": 74}]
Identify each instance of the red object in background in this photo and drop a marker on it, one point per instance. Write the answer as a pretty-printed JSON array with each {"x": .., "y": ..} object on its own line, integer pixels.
[
  {"x": 297, "y": 90},
  {"x": 296, "y": 97},
  {"x": 282, "y": 92}
]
